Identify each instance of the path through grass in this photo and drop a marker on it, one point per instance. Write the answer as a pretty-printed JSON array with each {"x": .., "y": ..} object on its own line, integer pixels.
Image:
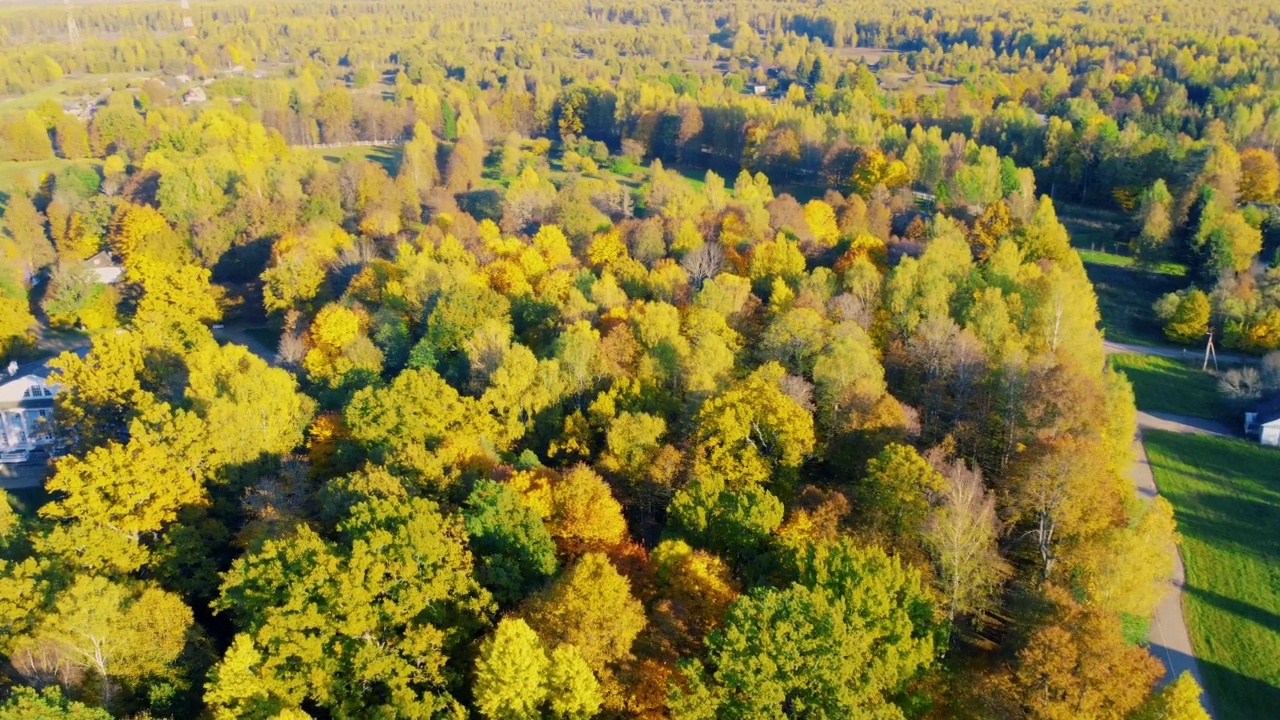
[{"x": 1226, "y": 498}]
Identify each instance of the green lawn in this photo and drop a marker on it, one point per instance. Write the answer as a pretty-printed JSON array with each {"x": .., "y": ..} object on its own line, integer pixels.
[
  {"x": 1126, "y": 296},
  {"x": 1171, "y": 386},
  {"x": 1091, "y": 228},
  {"x": 1098, "y": 257},
  {"x": 68, "y": 87},
  {"x": 388, "y": 156},
  {"x": 1226, "y": 498},
  {"x": 33, "y": 170}
]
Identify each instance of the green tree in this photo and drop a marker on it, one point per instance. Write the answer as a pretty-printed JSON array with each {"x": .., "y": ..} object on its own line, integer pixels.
[
  {"x": 840, "y": 642},
  {"x": 899, "y": 491},
  {"x": 49, "y": 704},
  {"x": 737, "y": 523},
  {"x": 516, "y": 552},
  {"x": 363, "y": 625},
  {"x": 1185, "y": 315},
  {"x": 1155, "y": 224},
  {"x": 24, "y": 227}
]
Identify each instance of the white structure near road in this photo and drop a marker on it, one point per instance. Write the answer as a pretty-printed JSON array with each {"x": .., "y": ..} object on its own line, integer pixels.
[
  {"x": 26, "y": 411},
  {"x": 1264, "y": 425}
]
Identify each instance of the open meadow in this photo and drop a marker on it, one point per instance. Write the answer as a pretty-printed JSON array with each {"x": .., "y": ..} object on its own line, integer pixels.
[{"x": 1226, "y": 499}]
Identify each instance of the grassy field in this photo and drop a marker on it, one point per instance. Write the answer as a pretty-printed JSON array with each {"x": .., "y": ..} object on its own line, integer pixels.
[
  {"x": 388, "y": 156},
  {"x": 1097, "y": 257},
  {"x": 73, "y": 86},
  {"x": 1126, "y": 296},
  {"x": 1226, "y": 498},
  {"x": 1125, "y": 292},
  {"x": 11, "y": 172},
  {"x": 1091, "y": 228},
  {"x": 1171, "y": 386}
]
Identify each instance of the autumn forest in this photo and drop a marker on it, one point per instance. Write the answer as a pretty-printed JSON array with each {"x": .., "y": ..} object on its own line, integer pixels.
[{"x": 608, "y": 358}]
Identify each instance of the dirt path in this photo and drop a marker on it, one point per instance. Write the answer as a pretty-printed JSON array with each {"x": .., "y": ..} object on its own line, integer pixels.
[
  {"x": 1184, "y": 424},
  {"x": 1170, "y": 642}
]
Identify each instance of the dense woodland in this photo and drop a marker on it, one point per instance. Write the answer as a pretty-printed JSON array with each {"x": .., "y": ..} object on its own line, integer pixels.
[{"x": 683, "y": 360}]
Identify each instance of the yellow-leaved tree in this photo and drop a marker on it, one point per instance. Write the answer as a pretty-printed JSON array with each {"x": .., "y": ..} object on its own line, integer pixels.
[
  {"x": 753, "y": 432},
  {"x": 116, "y": 632},
  {"x": 822, "y": 223},
  {"x": 136, "y": 487},
  {"x": 256, "y": 409}
]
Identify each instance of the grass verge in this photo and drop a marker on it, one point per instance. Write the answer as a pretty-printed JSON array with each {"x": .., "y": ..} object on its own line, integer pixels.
[
  {"x": 1226, "y": 498},
  {"x": 1171, "y": 386}
]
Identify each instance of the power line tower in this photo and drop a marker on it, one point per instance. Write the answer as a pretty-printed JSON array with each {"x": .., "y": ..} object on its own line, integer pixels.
[
  {"x": 188, "y": 26},
  {"x": 73, "y": 30},
  {"x": 1210, "y": 352}
]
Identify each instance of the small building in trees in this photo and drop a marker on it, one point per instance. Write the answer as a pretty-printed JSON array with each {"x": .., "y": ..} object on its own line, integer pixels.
[
  {"x": 104, "y": 269},
  {"x": 26, "y": 411}
]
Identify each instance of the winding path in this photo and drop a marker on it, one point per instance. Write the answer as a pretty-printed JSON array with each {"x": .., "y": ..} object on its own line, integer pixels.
[{"x": 1169, "y": 641}]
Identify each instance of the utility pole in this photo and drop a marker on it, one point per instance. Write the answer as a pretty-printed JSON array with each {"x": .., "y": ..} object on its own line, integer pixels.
[
  {"x": 73, "y": 31},
  {"x": 1210, "y": 352}
]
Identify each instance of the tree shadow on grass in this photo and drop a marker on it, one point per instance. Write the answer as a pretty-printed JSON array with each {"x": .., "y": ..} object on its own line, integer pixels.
[
  {"x": 1231, "y": 695},
  {"x": 1262, "y": 617}
]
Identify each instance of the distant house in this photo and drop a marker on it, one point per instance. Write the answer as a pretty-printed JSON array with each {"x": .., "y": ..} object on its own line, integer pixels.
[
  {"x": 26, "y": 410},
  {"x": 195, "y": 95},
  {"x": 759, "y": 89},
  {"x": 104, "y": 268},
  {"x": 1264, "y": 424}
]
